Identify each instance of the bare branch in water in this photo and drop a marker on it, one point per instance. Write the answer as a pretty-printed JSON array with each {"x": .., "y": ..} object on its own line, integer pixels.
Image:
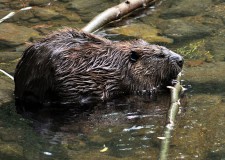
[
  {"x": 5, "y": 73},
  {"x": 115, "y": 13},
  {"x": 174, "y": 106},
  {"x": 13, "y": 13}
]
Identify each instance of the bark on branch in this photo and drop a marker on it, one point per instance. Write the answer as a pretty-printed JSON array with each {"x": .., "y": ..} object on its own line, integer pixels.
[{"x": 115, "y": 13}]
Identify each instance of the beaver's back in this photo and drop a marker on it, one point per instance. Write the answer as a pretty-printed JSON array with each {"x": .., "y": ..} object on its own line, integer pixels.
[{"x": 36, "y": 71}]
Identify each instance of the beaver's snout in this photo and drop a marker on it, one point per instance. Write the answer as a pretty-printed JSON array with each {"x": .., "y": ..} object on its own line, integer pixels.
[{"x": 177, "y": 58}]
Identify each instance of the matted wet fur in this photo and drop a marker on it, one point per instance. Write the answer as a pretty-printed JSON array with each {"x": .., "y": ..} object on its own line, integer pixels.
[{"x": 71, "y": 66}]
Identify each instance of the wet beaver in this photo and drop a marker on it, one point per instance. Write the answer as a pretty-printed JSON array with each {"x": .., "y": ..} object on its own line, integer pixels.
[{"x": 71, "y": 66}]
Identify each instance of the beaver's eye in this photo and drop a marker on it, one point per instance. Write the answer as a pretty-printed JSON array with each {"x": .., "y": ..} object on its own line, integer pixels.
[
  {"x": 161, "y": 55},
  {"x": 134, "y": 56}
]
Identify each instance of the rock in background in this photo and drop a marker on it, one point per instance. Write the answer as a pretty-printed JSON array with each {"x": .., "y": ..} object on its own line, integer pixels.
[{"x": 15, "y": 35}]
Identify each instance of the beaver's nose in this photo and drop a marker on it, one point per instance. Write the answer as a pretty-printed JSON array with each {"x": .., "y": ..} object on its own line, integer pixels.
[{"x": 178, "y": 59}]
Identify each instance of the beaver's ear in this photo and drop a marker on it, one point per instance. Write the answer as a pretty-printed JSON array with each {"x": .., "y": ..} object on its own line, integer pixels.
[{"x": 134, "y": 56}]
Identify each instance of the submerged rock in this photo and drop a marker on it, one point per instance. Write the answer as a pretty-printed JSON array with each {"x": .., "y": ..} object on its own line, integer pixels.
[
  {"x": 184, "y": 29},
  {"x": 15, "y": 4},
  {"x": 218, "y": 1},
  {"x": 46, "y": 14},
  {"x": 72, "y": 17},
  {"x": 6, "y": 57},
  {"x": 87, "y": 9},
  {"x": 217, "y": 12},
  {"x": 84, "y": 4},
  {"x": 142, "y": 31},
  {"x": 185, "y": 8},
  {"x": 3, "y": 13},
  {"x": 184, "y": 21},
  {"x": 13, "y": 35},
  {"x": 6, "y": 90},
  {"x": 216, "y": 45},
  {"x": 22, "y": 16},
  {"x": 35, "y": 15},
  {"x": 39, "y": 2}
]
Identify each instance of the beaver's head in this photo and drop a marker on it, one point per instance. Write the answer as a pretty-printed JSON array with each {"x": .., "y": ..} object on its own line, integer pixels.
[{"x": 151, "y": 67}]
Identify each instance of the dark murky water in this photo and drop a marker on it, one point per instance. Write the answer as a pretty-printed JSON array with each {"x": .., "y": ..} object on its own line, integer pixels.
[{"x": 129, "y": 126}]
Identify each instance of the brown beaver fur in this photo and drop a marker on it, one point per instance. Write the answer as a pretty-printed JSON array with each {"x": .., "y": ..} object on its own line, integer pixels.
[{"x": 71, "y": 66}]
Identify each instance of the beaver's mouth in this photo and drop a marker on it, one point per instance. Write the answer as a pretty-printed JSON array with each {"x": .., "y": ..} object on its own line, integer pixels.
[
  {"x": 174, "y": 71},
  {"x": 162, "y": 85},
  {"x": 157, "y": 84},
  {"x": 152, "y": 92},
  {"x": 169, "y": 81},
  {"x": 145, "y": 91}
]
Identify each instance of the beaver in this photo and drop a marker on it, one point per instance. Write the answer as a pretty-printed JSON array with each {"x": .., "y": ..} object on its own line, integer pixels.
[{"x": 71, "y": 66}]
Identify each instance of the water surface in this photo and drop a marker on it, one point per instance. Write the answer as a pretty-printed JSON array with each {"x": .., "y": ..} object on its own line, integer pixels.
[{"x": 129, "y": 126}]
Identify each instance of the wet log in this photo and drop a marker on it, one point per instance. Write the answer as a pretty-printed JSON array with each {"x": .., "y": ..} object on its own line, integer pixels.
[{"x": 115, "y": 13}]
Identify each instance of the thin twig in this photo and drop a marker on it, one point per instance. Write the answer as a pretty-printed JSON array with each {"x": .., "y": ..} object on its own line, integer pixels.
[
  {"x": 5, "y": 73},
  {"x": 13, "y": 13}
]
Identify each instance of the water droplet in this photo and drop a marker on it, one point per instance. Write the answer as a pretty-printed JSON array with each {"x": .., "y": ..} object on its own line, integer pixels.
[{"x": 48, "y": 153}]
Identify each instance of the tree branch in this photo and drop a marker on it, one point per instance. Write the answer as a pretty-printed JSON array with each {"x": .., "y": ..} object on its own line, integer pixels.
[
  {"x": 174, "y": 106},
  {"x": 13, "y": 13},
  {"x": 115, "y": 13},
  {"x": 5, "y": 73}
]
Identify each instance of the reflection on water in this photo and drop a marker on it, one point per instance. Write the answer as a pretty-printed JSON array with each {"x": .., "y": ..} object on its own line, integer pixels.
[{"x": 128, "y": 126}]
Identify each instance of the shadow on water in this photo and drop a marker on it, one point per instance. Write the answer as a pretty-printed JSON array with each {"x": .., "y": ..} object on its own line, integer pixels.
[
  {"x": 20, "y": 141},
  {"x": 215, "y": 156},
  {"x": 127, "y": 125},
  {"x": 212, "y": 87},
  {"x": 121, "y": 110}
]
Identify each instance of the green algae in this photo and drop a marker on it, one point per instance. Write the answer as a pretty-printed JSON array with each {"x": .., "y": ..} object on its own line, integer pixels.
[{"x": 195, "y": 50}]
